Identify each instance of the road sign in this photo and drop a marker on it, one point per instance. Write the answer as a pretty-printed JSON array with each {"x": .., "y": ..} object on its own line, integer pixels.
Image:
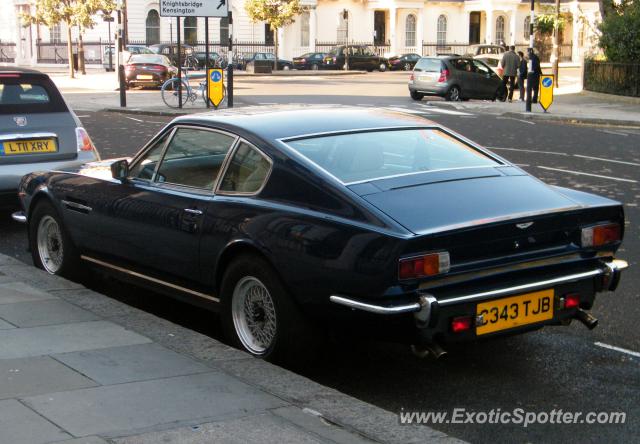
[
  {"x": 546, "y": 91},
  {"x": 215, "y": 86},
  {"x": 194, "y": 8}
]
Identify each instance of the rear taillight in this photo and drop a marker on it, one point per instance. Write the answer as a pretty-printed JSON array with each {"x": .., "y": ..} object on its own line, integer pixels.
[
  {"x": 156, "y": 67},
  {"x": 411, "y": 77},
  {"x": 334, "y": 60},
  {"x": 572, "y": 300},
  {"x": 444, "y": 75},
  {"x": 13, "y": 76},
  {"x": 599, "y": 235},
  {"x": 462, "y": 323},
  {"x": 84, "y": 141},
  {"x": 422, "y": 266}
]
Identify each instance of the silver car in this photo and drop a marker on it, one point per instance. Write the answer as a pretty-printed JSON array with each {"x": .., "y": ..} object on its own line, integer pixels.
[
  {"x": 38, "y": 131},
  {"x": 455, "y": 78}
]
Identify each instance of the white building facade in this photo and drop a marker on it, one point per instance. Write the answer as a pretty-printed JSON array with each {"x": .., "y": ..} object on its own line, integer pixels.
[{"x": 393, "y": 26}]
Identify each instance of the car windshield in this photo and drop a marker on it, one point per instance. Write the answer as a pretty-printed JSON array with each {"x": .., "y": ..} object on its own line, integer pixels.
[
  {"x": 304, "y": 56},
  {"x": 336, "y": 51},
  {"x": 365, "y": 156},
  {"x": 149, "y": 58},
  {"x": 428, "y": 65}
]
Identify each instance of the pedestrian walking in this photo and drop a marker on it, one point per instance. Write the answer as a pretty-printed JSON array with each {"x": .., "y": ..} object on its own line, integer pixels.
[
  {"x": 510, "y": 63},
  {"x": 533, "y": 75},
  {"x": 522, "y": 74}
]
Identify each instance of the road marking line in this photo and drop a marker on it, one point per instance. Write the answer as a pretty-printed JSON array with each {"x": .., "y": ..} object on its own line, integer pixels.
[
  {"x": 82, "y": 117},
  {"x": 618, "y": 349},
  {"x": 527, "y": 151},
  {"x": 614, "y": 132},
  {"x": 517, "y": 120},
  {"x": 607, "y": 160},
  {"x": 133, "y": 118},
  {"x": 588, "y": 174},
  {"x": 448, "y": 111},
  {"x": 404, "y": 110}
]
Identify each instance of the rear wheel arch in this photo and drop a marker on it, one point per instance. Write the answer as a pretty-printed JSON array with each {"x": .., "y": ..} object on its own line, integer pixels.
[{"x": 233, "y": 251}]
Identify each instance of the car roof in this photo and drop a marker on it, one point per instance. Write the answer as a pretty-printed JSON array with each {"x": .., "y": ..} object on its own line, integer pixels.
[
  {"x": 16, "y": 69},
  {"x": 279, "y": 122}
]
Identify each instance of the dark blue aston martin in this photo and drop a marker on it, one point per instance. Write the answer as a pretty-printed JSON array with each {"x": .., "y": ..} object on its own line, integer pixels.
[{"x": 292, "y": 221}]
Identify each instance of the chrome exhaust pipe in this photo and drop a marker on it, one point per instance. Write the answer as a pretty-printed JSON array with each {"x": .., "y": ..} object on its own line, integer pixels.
[
  {"x": 586, "y": 318},
  {"x": 432, "y": 350}
]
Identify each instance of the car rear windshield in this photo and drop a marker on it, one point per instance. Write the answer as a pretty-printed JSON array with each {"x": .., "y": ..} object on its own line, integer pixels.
[
  {"x": 365, "y": 156},
  {"x": 149, "y": 58},
  {"x": 428, "y": 65},
  {"x": 28, "y": 94}
]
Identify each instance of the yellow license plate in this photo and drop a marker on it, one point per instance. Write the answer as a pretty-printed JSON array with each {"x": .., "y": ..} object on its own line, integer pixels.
[
  {"x": 34, "y": 146},
  {"x": 503, "y": 314},
  {"x": 144, "y": 77}
]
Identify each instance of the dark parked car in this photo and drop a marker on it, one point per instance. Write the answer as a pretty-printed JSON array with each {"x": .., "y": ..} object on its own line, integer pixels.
[
  {"x": 201, "y": 57},
  {"x": 293, "y": 221},
  {"x": 404, "y": 62},
  {"x": 38, "y": 131},
  {"x": 455, "y": 78},
  {"x": 149, "y": 70},
  {"x": 361, "y": 57},
  {"x": 283, "y": 65},
  {"x": 187, "y": 54},
  {"x": 310, "y": 60},
  {"x": 131, "y": 50}
]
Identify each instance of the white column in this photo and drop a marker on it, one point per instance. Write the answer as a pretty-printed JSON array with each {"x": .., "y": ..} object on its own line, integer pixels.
[
  {"x": 392, "y": 30},
  {"x": 420, "y": 30},
  {"x": 576, "y": 24},
  {"x": 370, "y": 27},
  {"x": 281, "y": 54},
  {"x": 313, "y": 29},
  {"x": 513, "y": 26},
  {"x": 489, "y": 26},
  {"x": 466, "y": 25}
]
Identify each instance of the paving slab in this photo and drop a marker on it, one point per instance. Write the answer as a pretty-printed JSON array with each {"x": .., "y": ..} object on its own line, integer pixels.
[
  {"x": 84, "y": 440},
  {"x": 12, "y": 292},
  {"x": 34, "y": 376},
  {"x": 37, "y": 278},
  {"x": 258, "y": 429},
  {"x": 21, "y": 425},
  {"x": 96, "y": 303},
  {"x": 47, "y": 312},
  {"x": 37, "y": 341},
  {"x": 111, "y": 410},
  {"x": 117, "y": 365}
]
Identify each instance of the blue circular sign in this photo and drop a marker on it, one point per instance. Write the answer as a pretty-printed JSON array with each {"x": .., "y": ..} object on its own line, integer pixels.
[
  {"x": 546, "y": 82},
  {"x": 216, "y": 76}
]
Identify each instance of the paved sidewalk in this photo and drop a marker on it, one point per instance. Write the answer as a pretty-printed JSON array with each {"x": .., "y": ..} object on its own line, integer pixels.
[{"x": 79, "y": 367}]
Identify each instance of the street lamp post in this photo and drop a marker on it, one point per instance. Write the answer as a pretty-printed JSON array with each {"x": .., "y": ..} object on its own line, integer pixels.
[
  {"x": 345, "y": 17},
  {"x": 531, "y": 37}
]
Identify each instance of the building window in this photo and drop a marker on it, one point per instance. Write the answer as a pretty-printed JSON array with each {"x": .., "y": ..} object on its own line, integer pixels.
[
  {"x": 224, "y": 30},
  {"x": 527, "y": 26},
  {"x": 500, "y": 30},
  {"x": 442, "y": 30},
  {"x": 582, "y": 33},
  {"x": 153, "y": 27},
  {"x": 343, "y": 27},
  {"x": 55, "y": 34},
  {"x": 304, "y": 29},
  {"x": 410, "y": 31},
  {"x": 191, "y": 30},
  {"x": 268, "y": 34}
]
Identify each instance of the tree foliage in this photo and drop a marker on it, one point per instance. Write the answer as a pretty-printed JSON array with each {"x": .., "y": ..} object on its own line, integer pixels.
[{"x": 620, "y": 32}]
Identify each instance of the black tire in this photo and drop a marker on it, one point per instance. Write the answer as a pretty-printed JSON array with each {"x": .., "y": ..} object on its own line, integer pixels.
[
  {"x": 453, "y": 95},
  {"x": 407, "y": 66},
  {"x": 294, "y": 336},
  {"x": 415, "y": 95},
  {"x": 69, "y": 259},
  {"x": 382, "y": 67},
  {"x": 315, "y": 67}
]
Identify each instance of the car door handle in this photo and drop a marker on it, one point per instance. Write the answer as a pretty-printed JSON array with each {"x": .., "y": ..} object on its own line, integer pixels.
[{"x": 193, "y": 211}]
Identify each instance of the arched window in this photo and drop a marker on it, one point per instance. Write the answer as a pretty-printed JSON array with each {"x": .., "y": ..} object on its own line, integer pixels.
[
  {"x": 191, "y": 30},
  {"x": 343, "y": 27},
  {"x": 153, "y": 27},
  {"x": 442, "y": 30},
  {"x": 410, "y": 31},
  {"x": 527, "y": 26},
  {"x": 500, "y": 30},
  {"x": 304, "y": 29}
]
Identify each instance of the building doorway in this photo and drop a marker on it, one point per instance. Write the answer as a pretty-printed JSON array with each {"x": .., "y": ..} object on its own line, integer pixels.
[
  {"x": 474, "y": 27},
  {"x": 379, "y": 27}
]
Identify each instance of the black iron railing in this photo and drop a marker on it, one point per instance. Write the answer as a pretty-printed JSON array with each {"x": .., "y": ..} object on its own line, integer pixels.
[
  {"x": 612, "y": 78},
  {"x": 7, "y": 52}
]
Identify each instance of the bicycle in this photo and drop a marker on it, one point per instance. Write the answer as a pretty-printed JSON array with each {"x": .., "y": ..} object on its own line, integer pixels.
[{"x": 172, "y": 88}]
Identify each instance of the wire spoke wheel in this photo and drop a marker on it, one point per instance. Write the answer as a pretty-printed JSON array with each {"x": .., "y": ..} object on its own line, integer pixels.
[
  {"x": 254, "y": 315},
  {"x": 171, "y": 92},
  {"x": 50, "y": 245}
]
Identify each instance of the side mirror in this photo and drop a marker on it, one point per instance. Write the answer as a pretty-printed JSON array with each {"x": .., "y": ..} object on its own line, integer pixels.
[{"x": 120, "y": 170}]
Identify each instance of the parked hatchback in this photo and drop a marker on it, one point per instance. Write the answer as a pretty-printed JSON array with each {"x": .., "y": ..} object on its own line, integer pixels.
[
  {"x": 455, "y": 78},
  {"x": 37, "y": 130}
]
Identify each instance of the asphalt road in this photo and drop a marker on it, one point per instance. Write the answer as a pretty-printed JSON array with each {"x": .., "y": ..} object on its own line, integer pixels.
[{"x": 555, "y": 368}]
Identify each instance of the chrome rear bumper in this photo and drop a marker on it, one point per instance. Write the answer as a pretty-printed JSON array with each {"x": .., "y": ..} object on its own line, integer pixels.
[
  {"x": 19, "y": 216},
  {"x": 610, "y": 270}
]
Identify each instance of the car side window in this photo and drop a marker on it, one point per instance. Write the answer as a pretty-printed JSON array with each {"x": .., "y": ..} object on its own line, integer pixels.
[
  {"x": 462, "y": 65},
  {"x": 247, "y": 170},
  {"x": 194, "y": 157},
  {"x": 146, "y": 166},
  {"x": 481, "y": 68}
]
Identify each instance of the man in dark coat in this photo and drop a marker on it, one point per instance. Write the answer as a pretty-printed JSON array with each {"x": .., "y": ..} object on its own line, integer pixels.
[
  {"x": 522, "y": 74},
  {"x": 510, "y": 62},
  {"x": 533, "y": 75}
]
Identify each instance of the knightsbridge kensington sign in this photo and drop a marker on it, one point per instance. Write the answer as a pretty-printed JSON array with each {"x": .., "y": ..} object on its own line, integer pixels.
[{"x": 193, "y": 8}]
